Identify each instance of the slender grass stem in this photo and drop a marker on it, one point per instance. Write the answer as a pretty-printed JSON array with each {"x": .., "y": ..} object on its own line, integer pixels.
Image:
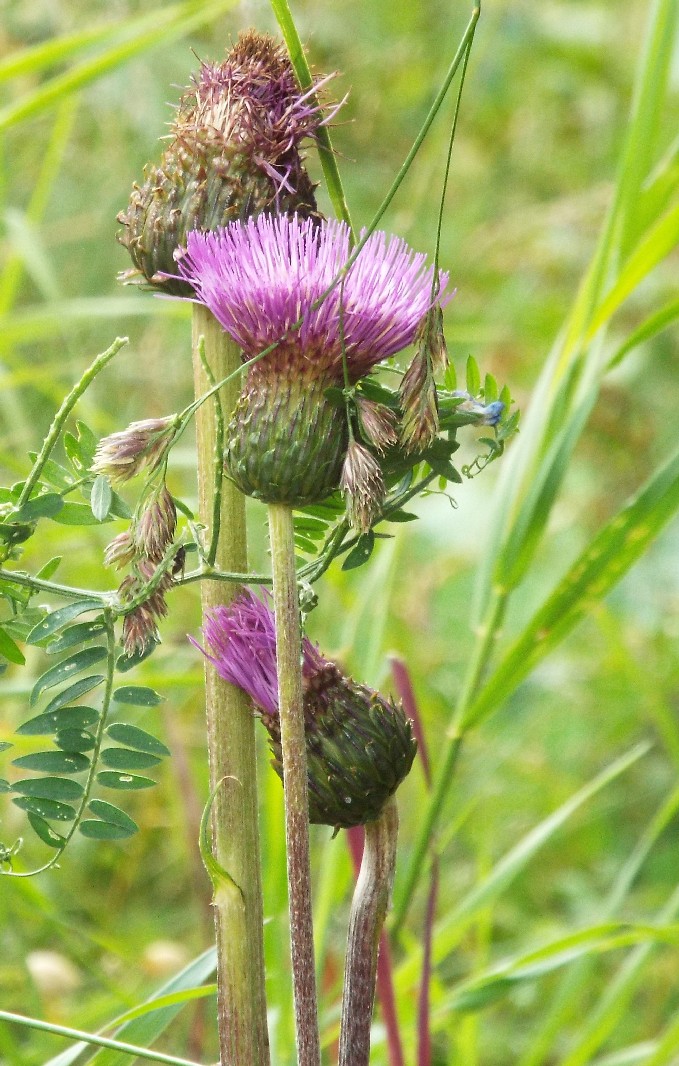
[
  {"x": 62, "y": 414},
  {"x": 368, "y": 911},
  {"x": 289, "y": 663},
  {"x": 455, "y": 734},
  {"x": 241, "y": 1000}
]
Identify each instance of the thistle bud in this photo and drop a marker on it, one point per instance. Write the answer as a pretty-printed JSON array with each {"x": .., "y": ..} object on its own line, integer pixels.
[
  {"x": 363, "y": 486},
  {"x": 234, "y": 152},
  {"x": 141, "y": 446},
  {"x": 360, "y": 746}
]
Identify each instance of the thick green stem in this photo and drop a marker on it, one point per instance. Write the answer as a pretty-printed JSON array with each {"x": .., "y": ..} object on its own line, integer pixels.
[
  {"x": 368, "y": 911},
  {"x": 289, "y": 661},
  {"x": 243, "y": 1036}
]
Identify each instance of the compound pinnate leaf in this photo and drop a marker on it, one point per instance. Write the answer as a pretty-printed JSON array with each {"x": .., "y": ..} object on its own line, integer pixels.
[
  {"x": 75, "y": 740},
  {"x": 77, "y": 634}
]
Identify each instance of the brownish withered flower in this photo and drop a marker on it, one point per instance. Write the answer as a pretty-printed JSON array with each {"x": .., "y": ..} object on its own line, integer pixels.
[
  {"x": 155, "y": 525},
  {"x": 419, "y": 404},
  {"x": 234, "y": 152},
  {"x": 377, "y": 424},
  {"x": 141, "y": 446},
  {"x": 363, "y": 486}
]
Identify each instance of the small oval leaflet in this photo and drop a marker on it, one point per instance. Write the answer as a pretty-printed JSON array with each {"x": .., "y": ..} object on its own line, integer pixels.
[
  {"x": 134, "y": 737},
  {"x": 65, "y": 719},
  {"x": 101, "y": 498},
  {"x": 45, "y": 832},
  {"x": 128, "y": 759},
  {"x": 77, "y": 634},
  {"x": 109, "y": 813},
  {"x": 137, "y": 696},
  {"x": 45, "y": 808},
  {"x": 98, "y": 830},
  {"x": 53, "y": 788},
  {"x": 125, "y": 782},
  {"x": 75, "y": 740},
  {"x": 11, "y": 651},
  {"x": 72, "y": 692},
  {"x": 54, "y": 621},
  {"x": 82, "y": 660},
  {"x": 60, "y": 762},
  {"x": 44, "y": 506}
]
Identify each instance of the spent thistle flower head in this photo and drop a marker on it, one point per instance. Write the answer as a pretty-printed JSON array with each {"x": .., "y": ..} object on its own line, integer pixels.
[
  {"x": 276, "y": 281},
  {"x": 234, "y": 151},
  {"x": 141, "y": 446},
  {"x": 377, "y": 424},
  {"x": 360, "y": 746}
]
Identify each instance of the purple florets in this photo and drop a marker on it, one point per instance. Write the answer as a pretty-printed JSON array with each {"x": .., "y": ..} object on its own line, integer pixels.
[
  {"x": 262, "y": 277},
  {"x": 241, "y": 642}
]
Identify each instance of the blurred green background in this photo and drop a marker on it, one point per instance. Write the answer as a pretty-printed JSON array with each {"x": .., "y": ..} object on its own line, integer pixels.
[{"x": 544, "y": 114}]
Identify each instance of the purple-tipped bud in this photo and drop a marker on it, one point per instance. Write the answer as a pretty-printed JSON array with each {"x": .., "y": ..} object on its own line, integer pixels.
[
  {"x": 420, "y": 422},
  {"x": 377, "y": 424},
  {"x": 273, "y": 281},
  {"x": 121, "y": 551},
  {"x": 139, "y": 624},
  {"x": 363, "y": 486},
  {"x": 155, "y": 527},
  {"x": 234, "y": 152},
  {"x": 360, "y": 746},
  {"x": 141, "y": 446},
  {"x": 419, "y": 404}
]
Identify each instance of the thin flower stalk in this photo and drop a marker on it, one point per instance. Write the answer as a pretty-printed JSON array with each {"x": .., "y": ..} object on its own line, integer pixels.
[{"x": 293, "y": 749}]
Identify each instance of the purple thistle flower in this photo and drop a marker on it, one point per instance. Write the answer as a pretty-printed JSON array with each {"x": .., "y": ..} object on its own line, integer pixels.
[
  {"x": 241, "y": 642},
  {"x": 262, "y": 277},
  {"x": 360, "y": 746}
]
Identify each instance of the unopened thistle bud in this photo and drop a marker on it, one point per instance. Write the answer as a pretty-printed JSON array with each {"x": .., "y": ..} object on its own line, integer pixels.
[
  {"x": 360, "y": 746},
  {"x": 141, "y": 446},
  {"x": 155, "y": 526},
  {"x": 273, "y": 283},
  {"x": 363, "y": 486},
  {"x": 377, "y": 424},
  {"x": 234, "y": 152},
  {"x": 419, "y": 404}
]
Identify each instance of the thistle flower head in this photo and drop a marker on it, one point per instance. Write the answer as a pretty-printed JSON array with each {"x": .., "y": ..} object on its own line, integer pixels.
[
  {"x": 141, "y": 446},
  {"x": 234, "y": 151},
  {"x": 360, "y": 746},
  {"x": 261, "y": 278},
  {"x": 275, "y": 281}
]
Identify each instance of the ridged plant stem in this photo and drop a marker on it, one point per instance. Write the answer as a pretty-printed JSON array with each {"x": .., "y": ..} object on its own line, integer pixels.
[
  {"x": 368, "y": 911},
  {"x": 243, "y": 1036},
  {"x": 289, "y": 661}
]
